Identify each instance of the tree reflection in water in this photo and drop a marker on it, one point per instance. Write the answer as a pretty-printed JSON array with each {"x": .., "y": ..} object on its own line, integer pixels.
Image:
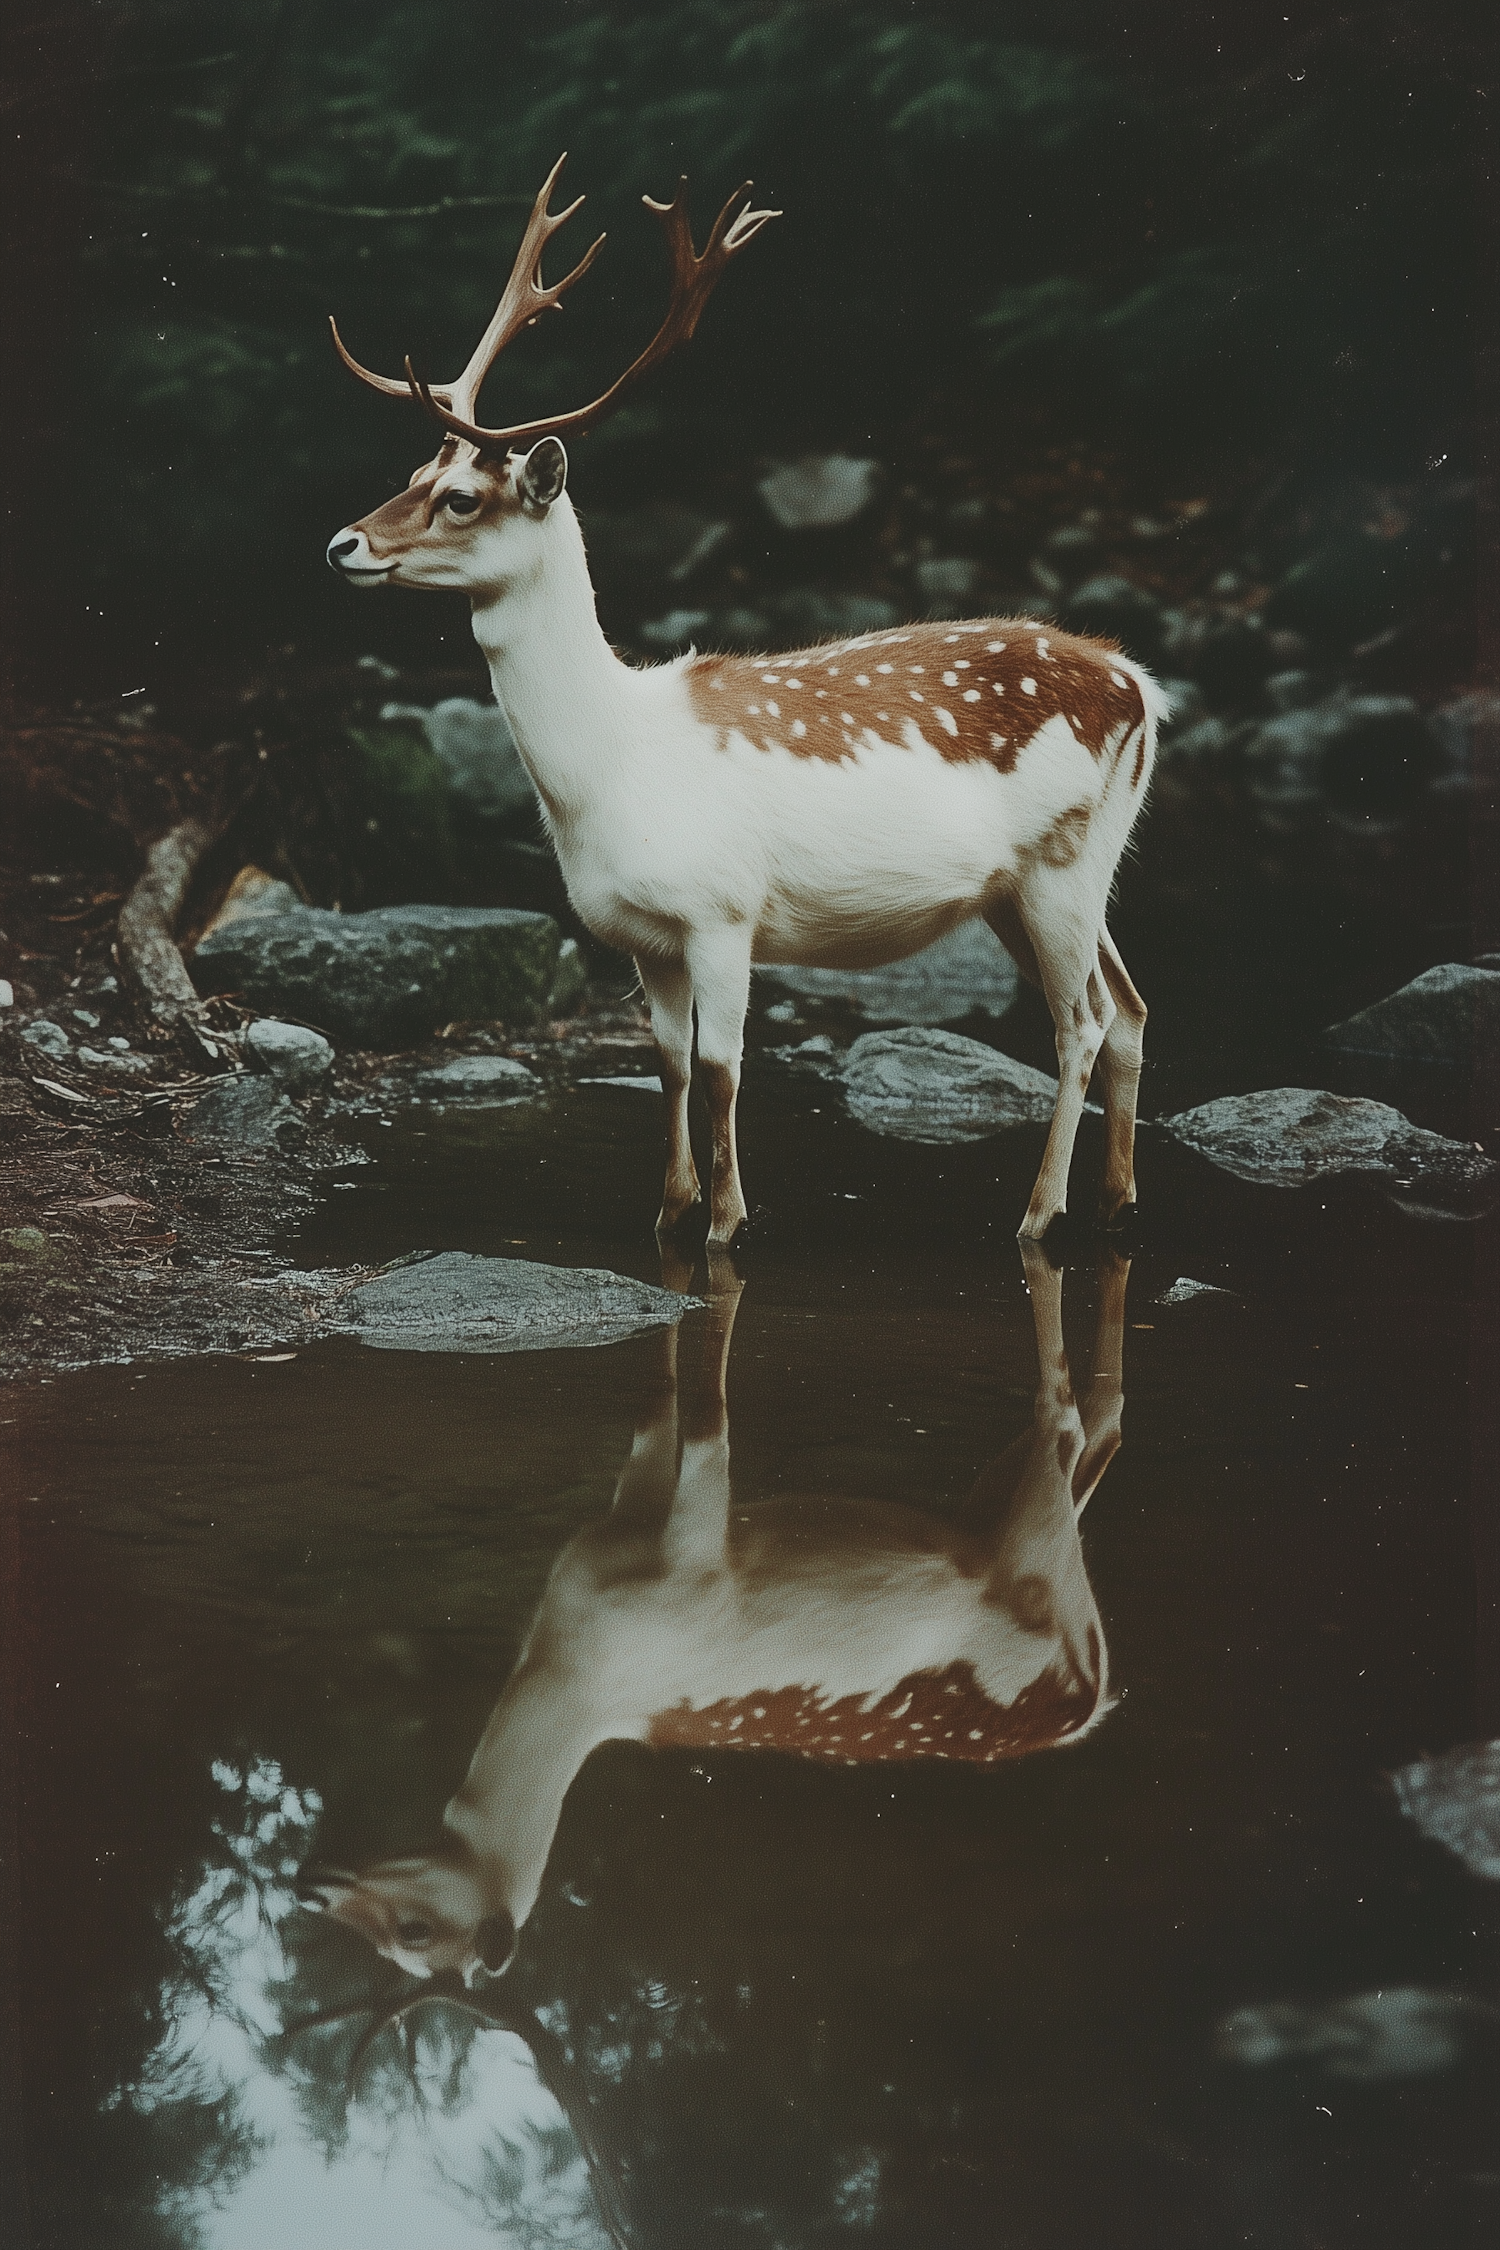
[{"x": 250, "y": 2103}]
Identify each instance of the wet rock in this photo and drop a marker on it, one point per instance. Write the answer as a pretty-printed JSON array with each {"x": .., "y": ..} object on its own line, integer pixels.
[
  {"x": 7, "y": 993},
  {"x": 452, "y": 1301},
  {"x": 1292, "y": 1136},
  {"x": 1450, "y": 1014},
  {"x": 1377, "y": 2038},
  {"x": 298, "y": 1059},
  {"x": 968, "y": 972},
  {"x": 1115, "y": 609},
  {"x": 251, "y": 1111},
  {"x": 48, "y": 1038},
  {"x": 817, "y": 1058},
  {"x": 1185, "y": 1291},
  {"x": 1454, "y": 1800},
  {"x": 819, "y": 491},
  {"x": 479, "y": 1078},
  {"x": 476, "y": 751},
  {"x": 390, "y": 977},
  {"x": 934, "y": 1086}
]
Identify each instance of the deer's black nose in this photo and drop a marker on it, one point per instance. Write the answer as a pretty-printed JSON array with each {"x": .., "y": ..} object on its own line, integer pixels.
[{"x": 338, "y": 548}]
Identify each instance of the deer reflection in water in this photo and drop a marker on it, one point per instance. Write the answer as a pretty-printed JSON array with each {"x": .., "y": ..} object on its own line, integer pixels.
[{"x": 842, "y": 1630}]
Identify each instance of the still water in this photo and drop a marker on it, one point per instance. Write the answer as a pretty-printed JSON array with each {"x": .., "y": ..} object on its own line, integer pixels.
[{"x": 890, "y": 1852}]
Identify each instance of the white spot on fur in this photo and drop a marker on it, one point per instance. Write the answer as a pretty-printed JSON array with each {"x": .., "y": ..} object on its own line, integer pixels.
[
  {"x": 755, "y": 710},
  {"x": 862, "y": 679},
  {"x": 998, "y": 686},
  {"x": 947, "y": 718},
  {"x": 994, "y": 647},
  {"x": 916, "y": 667},
  {"x": 916, "y": 695},
  {"x": 950, "y": 679},
  {"x": 716, "y": 684},
  {"x": 1028, "y": 687},
  {"x": 798, "y": 727},
  {"x": 794, "y": 683},
  {"x": 847, "y": 717},
  {"x": 1118, "y": 678},
  {"x": 971, "y": 695},
  {"x": 885, "y": 667},
  {"x": 774, "y": 709},
  {"x": 997, "y": 741},
  {"x": 1043, "y": 650}
]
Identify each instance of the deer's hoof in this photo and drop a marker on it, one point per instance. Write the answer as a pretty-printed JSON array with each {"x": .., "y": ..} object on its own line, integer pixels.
[{"x": 677, "y": 1219}]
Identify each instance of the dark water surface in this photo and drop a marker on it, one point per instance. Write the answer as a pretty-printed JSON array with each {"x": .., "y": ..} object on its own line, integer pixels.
[{"x": 763, "y": 1998}]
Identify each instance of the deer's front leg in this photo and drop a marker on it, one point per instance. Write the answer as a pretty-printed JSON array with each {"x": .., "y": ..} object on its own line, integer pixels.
[
  {"x": 719, "y": 965},
  {"x": 669, "y": 995}
]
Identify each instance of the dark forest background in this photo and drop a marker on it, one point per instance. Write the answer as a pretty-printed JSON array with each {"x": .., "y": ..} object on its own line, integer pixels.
[{"x": 1193, "y": 237}]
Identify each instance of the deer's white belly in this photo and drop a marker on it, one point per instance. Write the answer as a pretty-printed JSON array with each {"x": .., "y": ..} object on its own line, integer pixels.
[{"x": 843, "y": 864}]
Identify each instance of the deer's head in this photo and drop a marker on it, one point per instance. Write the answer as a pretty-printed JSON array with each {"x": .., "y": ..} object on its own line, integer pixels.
[
  {"x": 429, "y": 1914},
  {"x": 473, "y": 518}
]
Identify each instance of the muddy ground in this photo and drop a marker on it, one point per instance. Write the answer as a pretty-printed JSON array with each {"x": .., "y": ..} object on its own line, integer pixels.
[{"x": 122, "y": 1234}]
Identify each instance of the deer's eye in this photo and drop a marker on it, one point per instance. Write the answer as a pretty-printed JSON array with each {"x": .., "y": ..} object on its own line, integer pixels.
[
  {"x": 462, "y": 503},
  {"x": 413, "y": 1933}
]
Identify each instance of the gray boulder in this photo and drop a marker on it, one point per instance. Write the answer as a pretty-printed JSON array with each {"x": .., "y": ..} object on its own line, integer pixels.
[
  {"x": 1450, "y": 1014},
  {"x": 250, "y": 1112},
  {"x": 934, "y": 1086},
  {"x": 1455, "y": 1800},
  {"x": 479, "y": 1078},
  {"x": 48, "y": 1038},
  {"x": 968, "y": 972},
  {"x": 1293, "y": 1136},
  {"x": 449, "y": 1301},
  {"x": 477, "y": 752},
  {"x": 298, "y": 1059},
  {"x": 818, "y": 491},
  {"x": 388, "y": 978}
]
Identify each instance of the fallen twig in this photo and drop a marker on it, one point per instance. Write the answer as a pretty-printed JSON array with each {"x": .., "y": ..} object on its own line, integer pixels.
[{"x": 147, "y": 920}]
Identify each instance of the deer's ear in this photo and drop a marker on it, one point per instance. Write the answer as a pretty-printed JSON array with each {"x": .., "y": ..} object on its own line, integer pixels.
[
  {"x": 542, "y": 475},
  {"x": 495, "y": 1938}
]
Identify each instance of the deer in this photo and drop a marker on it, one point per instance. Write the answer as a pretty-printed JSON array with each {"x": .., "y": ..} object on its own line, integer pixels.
[
  {"x": 840, "y": 1630},
  {"x": 843, "y": 805}
]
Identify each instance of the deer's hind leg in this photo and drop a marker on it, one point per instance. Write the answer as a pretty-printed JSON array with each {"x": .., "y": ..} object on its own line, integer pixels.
[
  {"x": 1120, "y": 1068},
  {"x": 1062, "y": 923}
]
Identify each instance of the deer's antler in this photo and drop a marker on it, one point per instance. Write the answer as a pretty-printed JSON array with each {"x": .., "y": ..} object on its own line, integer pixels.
[
  {"x": 524, "y": 296},
  {"x": 693, "y": 276}
]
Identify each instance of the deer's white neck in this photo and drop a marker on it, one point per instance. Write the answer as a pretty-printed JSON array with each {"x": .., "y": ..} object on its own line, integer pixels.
[
  {"x": 507, "y": 1811},
  {"x": 555, "y": 676}
]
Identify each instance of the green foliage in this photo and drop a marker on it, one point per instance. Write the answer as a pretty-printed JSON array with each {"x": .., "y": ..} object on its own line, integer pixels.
[{"x": 1265, "y": 232}]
